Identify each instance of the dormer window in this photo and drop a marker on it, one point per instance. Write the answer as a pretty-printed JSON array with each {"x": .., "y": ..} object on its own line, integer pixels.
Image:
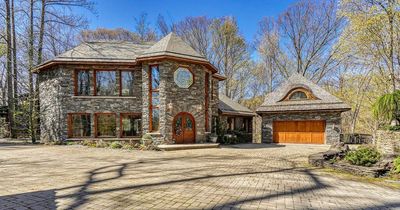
[{"x": 298, "y": 95}]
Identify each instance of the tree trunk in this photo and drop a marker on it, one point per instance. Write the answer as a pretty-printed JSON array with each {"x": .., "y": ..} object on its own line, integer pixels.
[
  {"x": 39, "y": 61},
  {"x": 391, "y": 47},
  {"x": 10, "y": 98},
  {"x": 14, "y": 49},
  {"x": 30, "y": 63}
]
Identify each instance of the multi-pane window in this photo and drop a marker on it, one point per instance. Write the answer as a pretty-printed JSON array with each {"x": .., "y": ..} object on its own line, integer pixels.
[
  {"x": 106, "y": 83},
  {"x": 79, "y": 125},
  {"x": 154, "y": 78},
  {"x": 82, "y": 83},
  {"x": 131, "y": 125},
  {"x": 105, "y": 125},
  {"x": 127, "y": 78}
]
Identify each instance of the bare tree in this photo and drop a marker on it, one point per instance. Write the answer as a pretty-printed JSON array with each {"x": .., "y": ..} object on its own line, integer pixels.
[
  {"x": 196, "y": 32},
  {"x": 309, "y": 29},
  {"x": 230, "y": 52},
  {"x": 142, "y": 28},
  {"x": 273, "y": 62},
  {"x": 10, "y": 96},
  {"x": 102, "y": 34},
  {"x": 14, "y": 54}
]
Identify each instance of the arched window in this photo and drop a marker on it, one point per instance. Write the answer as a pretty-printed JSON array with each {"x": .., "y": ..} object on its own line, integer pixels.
[{"x": 298, "y": 95}]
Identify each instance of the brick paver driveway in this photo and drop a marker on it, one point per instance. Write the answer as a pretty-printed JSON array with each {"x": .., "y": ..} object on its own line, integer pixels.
[{"x": 250, "y": 177}]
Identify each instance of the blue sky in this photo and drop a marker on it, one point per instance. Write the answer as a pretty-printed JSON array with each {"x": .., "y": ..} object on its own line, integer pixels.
[{"x": 121, "y": 13}]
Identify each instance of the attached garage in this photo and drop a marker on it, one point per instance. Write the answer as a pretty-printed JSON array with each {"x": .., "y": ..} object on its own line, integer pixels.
[
  {"x": 299, "y": 132},
  {"x": 301, "y": 112}
]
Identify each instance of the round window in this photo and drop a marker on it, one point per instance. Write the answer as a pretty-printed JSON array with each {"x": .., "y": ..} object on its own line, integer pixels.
[{"x": 183, "y": 77}]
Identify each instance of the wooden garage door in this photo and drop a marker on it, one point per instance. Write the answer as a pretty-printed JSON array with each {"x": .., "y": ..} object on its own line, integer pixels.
[{"x": 300, "y": 132}]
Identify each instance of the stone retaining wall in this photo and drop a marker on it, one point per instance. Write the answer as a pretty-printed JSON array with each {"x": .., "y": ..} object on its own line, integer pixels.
[{"x": 388, "y": 142}]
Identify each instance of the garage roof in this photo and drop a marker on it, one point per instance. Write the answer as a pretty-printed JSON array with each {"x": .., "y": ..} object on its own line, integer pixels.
[{"x": 323, "y": 100}]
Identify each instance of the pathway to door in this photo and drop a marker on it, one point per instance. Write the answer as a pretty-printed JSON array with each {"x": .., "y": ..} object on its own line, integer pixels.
[
  {"x": 248, "y": 177},
  {"x": 184, "y": 131}
]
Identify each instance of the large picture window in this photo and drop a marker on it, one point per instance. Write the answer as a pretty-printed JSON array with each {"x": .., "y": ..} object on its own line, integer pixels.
[
  {"x": 106, "y": 83},
  {"x": 131, "y": 125},
  {"x": 154, "y": 96},
  {"x": 127, "y": 79},
  {"x": 82, "y": 83},
  {"x": 79, "y": 125},
  {"x": 105, "y": 125}
]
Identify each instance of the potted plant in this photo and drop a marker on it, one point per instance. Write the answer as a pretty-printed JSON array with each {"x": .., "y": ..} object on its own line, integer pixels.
[{"x": 213, "y": 138}]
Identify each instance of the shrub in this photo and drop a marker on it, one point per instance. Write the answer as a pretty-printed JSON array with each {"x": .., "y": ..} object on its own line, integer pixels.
[
  {"x": 130, "y": 146},
  {"x": 363, "y": 156},
  {"x": 101, "y": 144},
  {"x": 89, "y": 143},
  {"x": 116, "y": 145},
  {"x": 147, "y": 137},
  {"x": 391, "y": 127},
  {"x": 396, "y": 165}
]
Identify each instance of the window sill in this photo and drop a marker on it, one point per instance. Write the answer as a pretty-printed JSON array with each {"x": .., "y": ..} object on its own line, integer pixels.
[{"x": 104, "y": 97}]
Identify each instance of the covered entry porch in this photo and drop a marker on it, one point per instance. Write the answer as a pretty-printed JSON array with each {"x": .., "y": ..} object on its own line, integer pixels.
[{"x": 236, "y": 119}]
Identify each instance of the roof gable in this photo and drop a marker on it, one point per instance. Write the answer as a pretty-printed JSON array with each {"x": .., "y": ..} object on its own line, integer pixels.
[
  {"x": 323, "y": 99},
  {"x": 172, "y": 45}
]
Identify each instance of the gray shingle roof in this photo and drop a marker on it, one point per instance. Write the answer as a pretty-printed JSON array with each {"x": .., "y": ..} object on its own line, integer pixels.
[
  {"x": 228, "y": 106},
  {"x": 172, "y": 45},
  {"x": 324, "y": 101},
  {"x": 127, "y": 52},
  {"x": 104, "y": 51}
]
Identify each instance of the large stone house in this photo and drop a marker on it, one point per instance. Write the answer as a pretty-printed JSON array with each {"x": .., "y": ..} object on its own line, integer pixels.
[
  {"x": 300, "y": 111},
  {"x": 121, "y": 90}
]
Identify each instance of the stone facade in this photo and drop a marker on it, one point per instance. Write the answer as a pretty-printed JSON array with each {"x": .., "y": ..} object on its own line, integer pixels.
[
  {"x": 388, "y": 142},
  {"x": 174, "y": 99},
  {"x": 332, "y": 128},
  {"x": 57, "y": 99}
]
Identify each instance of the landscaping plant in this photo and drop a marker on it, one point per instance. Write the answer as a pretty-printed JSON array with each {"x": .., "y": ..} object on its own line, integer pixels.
[
  {"x": 396, "y": 165},
  {"x": 387, "y": 107},
  {"x": 363, "y": 156},
  {"x": 116, "y": 145}
]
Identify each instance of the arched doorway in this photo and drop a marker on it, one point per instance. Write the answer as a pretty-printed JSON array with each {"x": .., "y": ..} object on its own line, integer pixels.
[{"x": 183, "y": 128}]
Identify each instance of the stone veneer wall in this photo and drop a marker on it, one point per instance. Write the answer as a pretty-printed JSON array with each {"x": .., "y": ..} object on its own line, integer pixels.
[
  {"x": 332, "y": 129},
  {"x": 388, "y": 142},
  {"x": 57, "y": 100},
  {"x": 174, "y": 99}
]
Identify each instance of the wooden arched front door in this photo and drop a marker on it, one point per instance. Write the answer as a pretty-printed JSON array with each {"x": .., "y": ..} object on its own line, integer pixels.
[{"x": 183, "y": 128}]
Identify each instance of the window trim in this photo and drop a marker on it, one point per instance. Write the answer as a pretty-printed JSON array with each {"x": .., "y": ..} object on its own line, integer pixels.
[
  {"x": 309, "y": 94},
  {"x": 117, "y": 77},
  {"x": 69, "y": 124},
  {"x": 93, "y": 81},
  {"x": 120, "y": 81},
  {"x": 75, "y": 77},
  {"x": 96, "y": 115},
  {"x": 121, "y": 115},
  {"x": 191, "y": 71},
  {"x": 151, "y": 90}
]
